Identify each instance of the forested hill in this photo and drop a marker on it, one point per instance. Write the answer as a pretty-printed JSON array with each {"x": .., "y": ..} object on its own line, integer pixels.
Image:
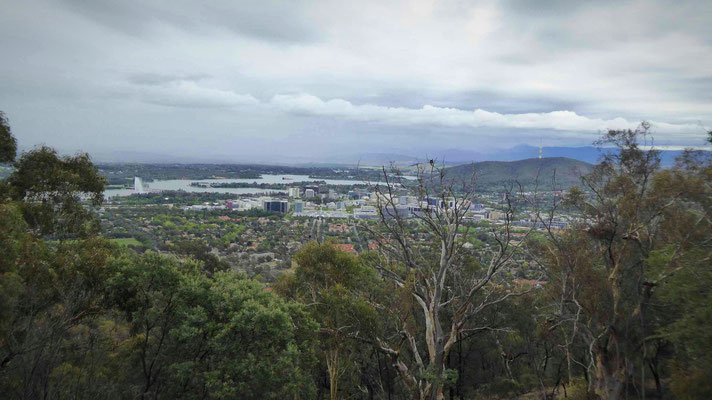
[{"x": 493, "y": 174}]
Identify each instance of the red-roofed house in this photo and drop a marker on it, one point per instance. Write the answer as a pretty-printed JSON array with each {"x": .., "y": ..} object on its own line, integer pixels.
[{"x": 349, "y": 248}]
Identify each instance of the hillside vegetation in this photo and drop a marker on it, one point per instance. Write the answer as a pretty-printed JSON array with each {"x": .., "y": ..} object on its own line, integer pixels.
[{"x": 492, "y": 175}]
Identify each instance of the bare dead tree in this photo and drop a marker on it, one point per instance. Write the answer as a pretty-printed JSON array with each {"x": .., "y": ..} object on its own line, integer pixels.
[{"x": 449, "y": 294}]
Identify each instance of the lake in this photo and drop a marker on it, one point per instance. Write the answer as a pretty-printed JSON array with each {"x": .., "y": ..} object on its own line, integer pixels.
[{"x": 184, "y": 184}]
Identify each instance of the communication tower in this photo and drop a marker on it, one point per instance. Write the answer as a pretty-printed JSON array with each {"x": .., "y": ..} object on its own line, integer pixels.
[{"x": 541, "y": 148}]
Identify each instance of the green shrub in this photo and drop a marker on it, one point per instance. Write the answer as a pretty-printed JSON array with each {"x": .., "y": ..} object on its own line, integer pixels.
[
  {"x": 528, "y": 381},
  {"x": 578, "y": 390},
  {"x": 691, "y": 383},
  {"x": 501, "y": 387}
]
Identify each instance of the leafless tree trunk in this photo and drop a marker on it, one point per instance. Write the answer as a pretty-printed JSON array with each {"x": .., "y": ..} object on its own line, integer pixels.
[{"x": 448, "y": 298}]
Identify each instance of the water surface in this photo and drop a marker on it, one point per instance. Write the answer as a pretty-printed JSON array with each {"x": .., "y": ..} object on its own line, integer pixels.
[{"x": 184, "y": 184}]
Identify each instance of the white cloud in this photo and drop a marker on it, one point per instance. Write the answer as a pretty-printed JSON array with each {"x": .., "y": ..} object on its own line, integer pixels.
[
  {"x": 306, "y": 104},
  {"x": 185, "y": 93}
]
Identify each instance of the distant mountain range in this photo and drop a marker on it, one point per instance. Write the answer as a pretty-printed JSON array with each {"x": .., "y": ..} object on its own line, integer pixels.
[
  {"x": 401, "y": 158},
  {"x": 587, "y": 154},
  {"x": 528, "y": 172}
]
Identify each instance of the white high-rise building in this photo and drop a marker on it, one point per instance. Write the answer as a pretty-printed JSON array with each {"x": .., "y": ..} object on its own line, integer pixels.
[
  {"x": 309, "y": 193},
  {"x": 295, "y": 192}
]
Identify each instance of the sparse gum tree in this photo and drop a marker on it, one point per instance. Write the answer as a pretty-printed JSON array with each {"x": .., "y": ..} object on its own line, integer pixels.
[
  {"x": 449, "y": 285},
  {"x": 602, "y": 269}
]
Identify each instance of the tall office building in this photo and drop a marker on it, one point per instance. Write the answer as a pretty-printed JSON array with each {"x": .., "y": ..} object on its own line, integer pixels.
[{"x": 281, "y": 206}]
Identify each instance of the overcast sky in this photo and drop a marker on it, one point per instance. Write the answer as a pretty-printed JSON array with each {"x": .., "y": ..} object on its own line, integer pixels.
[{"x": 259, "y": 80}]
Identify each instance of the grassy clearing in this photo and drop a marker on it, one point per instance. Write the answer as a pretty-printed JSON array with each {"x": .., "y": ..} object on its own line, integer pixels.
[{"x": 127, "y": 242}]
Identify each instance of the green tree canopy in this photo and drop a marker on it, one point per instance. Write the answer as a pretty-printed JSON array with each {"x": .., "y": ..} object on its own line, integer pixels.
[
  {"x": 8, "y": 143},
  {"x": 223, "y": 337},
  {"x": 641, "y": 230},
  {"x": 334, "y": 285},
  {"x": 50, "y": 188}
]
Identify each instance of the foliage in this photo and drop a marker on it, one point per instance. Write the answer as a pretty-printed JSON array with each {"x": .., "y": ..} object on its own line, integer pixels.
[
  {"x": 333, "y": 285},
  {"x": 190, "y": 333},
  {"x": 49, "y": 187},
  {"x": 162, "y": 325},
  {"x": 200, "y": 251},
  {"x": 578, "y": 390},
  {"x": 643, "y": 231},
  {"x": 48, "y": 293},
  {"x": 8, "y": 143},
  {"x": 501, "y": 387}
]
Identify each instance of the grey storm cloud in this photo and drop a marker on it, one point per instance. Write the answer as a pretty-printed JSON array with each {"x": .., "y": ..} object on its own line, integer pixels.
[
  {"x": 272, "y": 78},
  {"x": 280, "y": 21},
  {"x": 163, "y": 79}
]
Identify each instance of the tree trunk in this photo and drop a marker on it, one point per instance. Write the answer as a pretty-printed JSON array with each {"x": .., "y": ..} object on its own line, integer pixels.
[
  {"x": 332, "y": 365},
  {"x": 609, "y": 377},
  {"x": 654, "y": 369},
  {"x": 439, "y": 364}
]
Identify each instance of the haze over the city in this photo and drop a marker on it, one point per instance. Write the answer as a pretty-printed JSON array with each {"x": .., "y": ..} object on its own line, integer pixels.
[{"x": 268, "y": 81}]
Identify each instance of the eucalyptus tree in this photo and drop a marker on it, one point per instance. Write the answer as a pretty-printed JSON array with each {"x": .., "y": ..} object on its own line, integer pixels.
[
  {"x": 607, "y": 269},
  {"x": 48, "y": 293},
  {"x": 8, "y": 143},
  {"x": 50, "y": 188},
  {"x": 196, "y": 336},
  {"x": 334, "y": 286},
  {"x": 448, "y": 283},
  {"x": 45, "y": 289}
]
